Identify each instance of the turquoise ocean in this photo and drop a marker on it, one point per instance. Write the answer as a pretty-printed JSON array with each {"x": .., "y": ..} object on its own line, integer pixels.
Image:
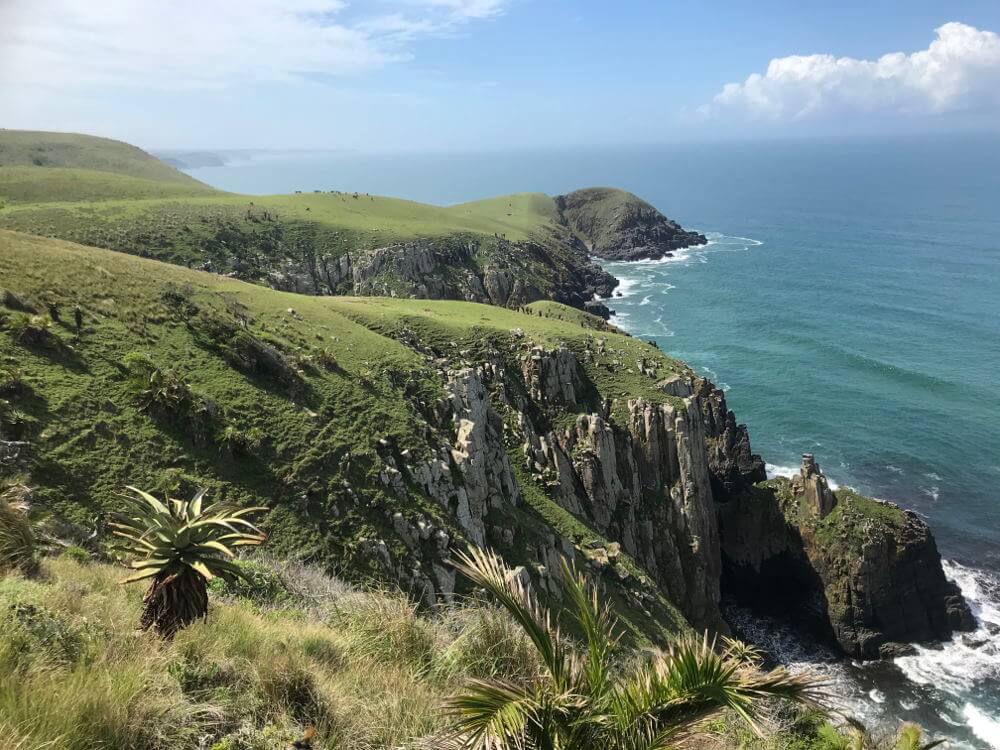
[{"x": 849, "y": 304}]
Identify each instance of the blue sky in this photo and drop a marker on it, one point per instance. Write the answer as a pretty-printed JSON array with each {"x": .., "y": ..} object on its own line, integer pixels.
[{"x": 386, "y": 75}]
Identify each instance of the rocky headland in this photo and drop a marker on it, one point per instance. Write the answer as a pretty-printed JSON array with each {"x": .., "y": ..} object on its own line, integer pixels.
[{"x": 616, "y": 225}]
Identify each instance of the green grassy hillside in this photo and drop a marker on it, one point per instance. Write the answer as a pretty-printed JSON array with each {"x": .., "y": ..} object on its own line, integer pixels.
[
  {"x": 29, "y": 148},
  {"x": 107, "y": 194},
  {"x": 303, "y": 429}
]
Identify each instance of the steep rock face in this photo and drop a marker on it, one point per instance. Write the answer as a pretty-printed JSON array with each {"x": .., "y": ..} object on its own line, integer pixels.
[
  {"x": 734, "y": 466},
  {"x": 620, "y": 226},
  {"x": 861, "y": 572},
  {"x": 644, "y": 483},
  {"x": 454, "y": 268}
]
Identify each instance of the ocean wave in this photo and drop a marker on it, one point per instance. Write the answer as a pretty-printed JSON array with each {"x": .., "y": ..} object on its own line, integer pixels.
[
  {"x": 985, "y": 728},
  {"x": 968, "y": 658}
]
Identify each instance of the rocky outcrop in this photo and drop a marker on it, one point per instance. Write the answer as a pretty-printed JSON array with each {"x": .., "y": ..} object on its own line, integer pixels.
[
  {"x": 616, "y": 225},
  {"x": 495, "y": 272},
  {"x": 734, "y": 466},
  {"x": 861, "y": 572},
  {"x": 812, "y": 490}
]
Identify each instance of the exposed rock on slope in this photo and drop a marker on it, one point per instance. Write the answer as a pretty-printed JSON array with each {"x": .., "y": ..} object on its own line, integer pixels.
[
  {"x": 863, "y": 572},
  {"x": 492, "y": 271},
  {"x": 616, "y": 225}
]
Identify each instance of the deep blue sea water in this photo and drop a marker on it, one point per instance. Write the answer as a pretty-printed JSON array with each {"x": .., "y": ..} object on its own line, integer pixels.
[{"x": 849, "y": 303}]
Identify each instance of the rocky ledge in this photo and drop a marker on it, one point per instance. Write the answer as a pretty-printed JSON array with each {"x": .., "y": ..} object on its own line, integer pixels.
[
  {"x": 616, "y": 225},
  {"x": 860, "y": 572}
]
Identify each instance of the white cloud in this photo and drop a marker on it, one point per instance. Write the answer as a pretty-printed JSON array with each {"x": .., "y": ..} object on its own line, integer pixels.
[
  {"x": 960, "y": 70},
  {"x": 182, "y": 44}
]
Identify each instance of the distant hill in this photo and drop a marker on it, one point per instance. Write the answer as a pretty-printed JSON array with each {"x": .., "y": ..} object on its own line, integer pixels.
[
  {"x": 30, "y": 148},
  {"x": 509, "y": 250}
]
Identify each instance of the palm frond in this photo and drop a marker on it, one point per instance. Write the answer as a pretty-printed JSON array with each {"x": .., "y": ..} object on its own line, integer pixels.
[
  {"x": 492, "y": 715},
  {"x": 598, "y": 625},
  {"x": 488, "y": 571}
]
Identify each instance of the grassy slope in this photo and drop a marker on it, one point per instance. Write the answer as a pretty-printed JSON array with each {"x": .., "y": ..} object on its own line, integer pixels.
[
  {"x": 28, "y": 148},
  {"x": 362, "y": 667},
  {"x": 107, "y": 194},
  {"x": 291, "y": 649},
  {"x": 89, "y": 439},
  {"x": 96, "y": 179}
]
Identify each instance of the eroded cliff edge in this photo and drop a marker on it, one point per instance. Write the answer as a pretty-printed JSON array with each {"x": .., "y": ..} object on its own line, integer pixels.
[{"x": 670, "y": 495}]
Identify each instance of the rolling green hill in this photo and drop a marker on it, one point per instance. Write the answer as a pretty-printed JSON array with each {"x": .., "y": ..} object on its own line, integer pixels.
[
  {"x": 510, "y": 250},
  {"x": 29, "y": 148}
]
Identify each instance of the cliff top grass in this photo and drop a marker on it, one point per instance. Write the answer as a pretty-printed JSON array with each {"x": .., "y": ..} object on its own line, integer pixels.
[
  {"x": 857, "y": 519},
  {"x": 854, "y": 520},
  {"x": 80, "y": 179}
]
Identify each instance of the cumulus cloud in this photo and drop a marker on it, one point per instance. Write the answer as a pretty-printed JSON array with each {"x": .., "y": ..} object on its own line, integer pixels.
[
  {"x": 177, "y": 44},
  {"x": 959, "y": 70}
]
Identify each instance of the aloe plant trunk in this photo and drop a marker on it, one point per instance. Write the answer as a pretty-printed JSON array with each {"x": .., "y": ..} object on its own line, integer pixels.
[{"x": 174, "y": 601}]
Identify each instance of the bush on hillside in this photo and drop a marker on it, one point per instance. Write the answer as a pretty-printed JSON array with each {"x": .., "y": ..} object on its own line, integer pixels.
[
  {"x": 238, "y": 442},
  {"x": 17, "y": 536},
  {"x": 257, "y": 583},
  {"x": 165, "y": 394},
  {"x": 30, "y": 330}
]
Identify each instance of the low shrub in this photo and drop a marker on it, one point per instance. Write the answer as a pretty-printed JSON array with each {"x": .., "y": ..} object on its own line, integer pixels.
[
  {"x": 31, "y": 330},
  {"x": 238, "y": 442},
  {"x": 77, "y": 554},
  {"x": 259, "y": 584},
  {"x": 17, "y": 536}
]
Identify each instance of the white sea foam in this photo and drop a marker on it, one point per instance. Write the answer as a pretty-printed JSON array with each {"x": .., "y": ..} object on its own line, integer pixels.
[
  {"x": 968, "y": 658},
  {"x": 646, "y": 300},
  {"x": 626, "y": 288},
  {"x": 932, "y": 492},
  {"x": 984, "y": 727}
]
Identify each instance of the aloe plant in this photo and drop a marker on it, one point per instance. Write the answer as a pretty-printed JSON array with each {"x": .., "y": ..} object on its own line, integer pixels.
[{"x": 181, "y": 546}]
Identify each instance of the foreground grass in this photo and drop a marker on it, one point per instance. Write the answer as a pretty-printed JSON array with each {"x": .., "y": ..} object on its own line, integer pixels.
[
  {"x": 289, "y": 649},
  {"x": 362, "y": 667}
]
